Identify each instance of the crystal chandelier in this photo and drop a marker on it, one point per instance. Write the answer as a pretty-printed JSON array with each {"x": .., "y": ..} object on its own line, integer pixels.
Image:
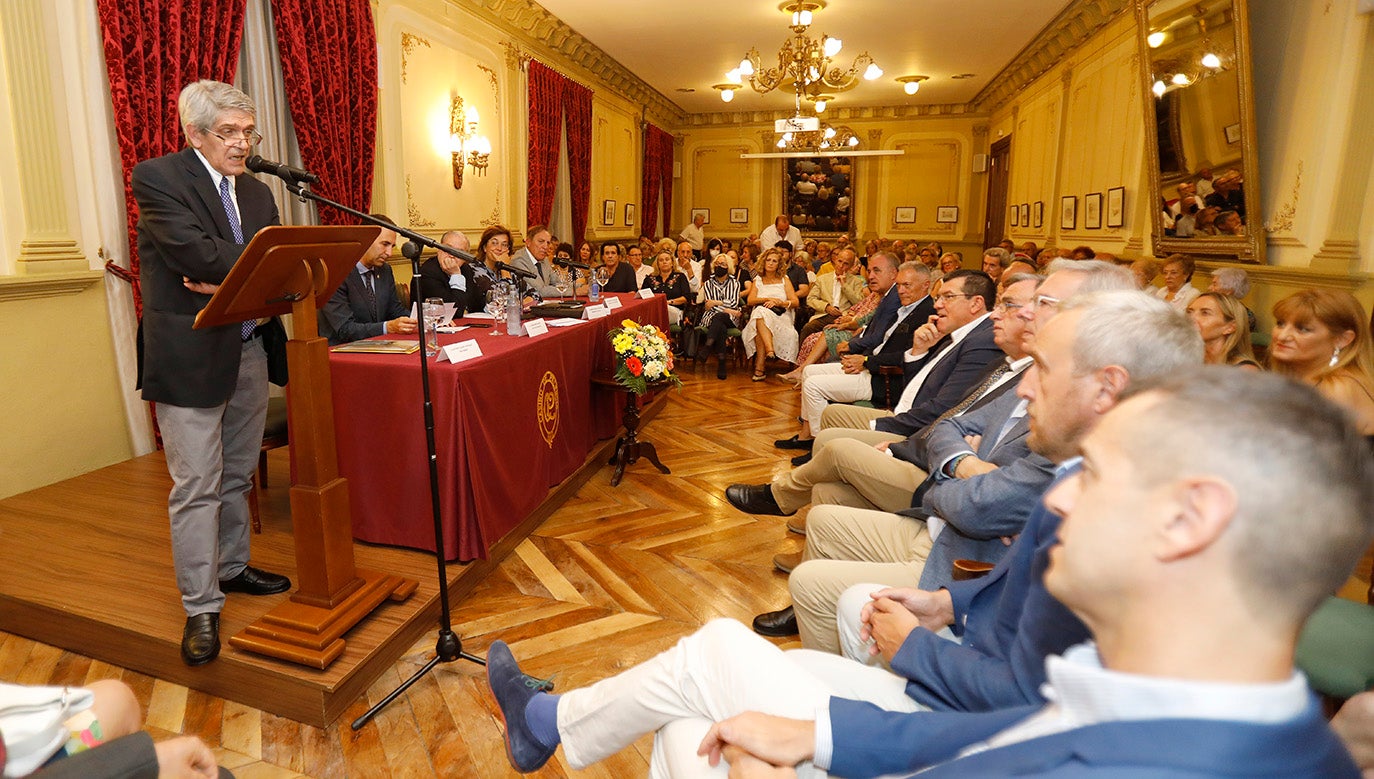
[
  {"x": 805, "y": 63},
  {"x": 820, "y": 141}
]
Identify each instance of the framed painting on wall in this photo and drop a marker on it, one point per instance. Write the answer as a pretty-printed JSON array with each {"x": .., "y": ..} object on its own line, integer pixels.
[
  {"x": 1038, "y": 213},
  {"x": 818, "y": 193},
  {"x": 608, "y": 212},
  {"x": 704, "y": 213},
  {"x": 739, "y": 216},
  {"x": 1092, "y": 211},
  {"x": 905, "y": 215},
  {"x": 1068, "y": 212},
  {"x": 1014, "y": 217},
  {"x": 947, "y": 214},
  {"x": 629, "y": 214},
  {"x": 1116, "y": 207},
  {"x": 1025, "y": 214}
]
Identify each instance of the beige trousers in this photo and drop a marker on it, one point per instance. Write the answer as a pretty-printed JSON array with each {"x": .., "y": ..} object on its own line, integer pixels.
[{"x": 848, "y": 472}]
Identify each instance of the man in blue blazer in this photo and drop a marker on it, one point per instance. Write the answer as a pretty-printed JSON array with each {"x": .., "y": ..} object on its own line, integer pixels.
[
  {"x": 366, "y": 304},
  {"x": 1214, "y": 512},
  {"x": 197, "y": 210}
]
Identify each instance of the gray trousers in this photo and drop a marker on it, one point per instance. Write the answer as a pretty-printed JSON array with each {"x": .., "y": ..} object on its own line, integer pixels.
[{"x": 211, "y": 455}]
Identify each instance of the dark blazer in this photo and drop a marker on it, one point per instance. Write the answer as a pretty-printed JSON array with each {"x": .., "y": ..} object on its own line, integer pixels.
[
  {"x": 883, "y": 317},
  {"x": 951, "y": 378},
  {"x": 892, "y": 352},
  {"x": 983, "y": 509},
  {"x": 183, "y": 231},
  {"x": 869, "y": 741},
  {"x": 130, "y": 757},
  {"x": 434, "y": 284},
  {"x": 348, "y": 316}
]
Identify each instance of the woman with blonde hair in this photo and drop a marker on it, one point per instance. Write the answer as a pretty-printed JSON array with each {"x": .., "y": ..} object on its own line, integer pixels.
[
  {"x": 1220, "y": 320},
  {"x": 770, "y": 331},
  {"x": 1321, "y": 337}
]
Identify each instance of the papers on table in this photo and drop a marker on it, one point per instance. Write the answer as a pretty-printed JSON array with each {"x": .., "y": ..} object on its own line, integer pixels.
[
  {"x": 477, "y": 315},
  {"x": 563, "y": 322},
  {"x": 447, "y": 316},
  {"x": 378, "y": 347}
]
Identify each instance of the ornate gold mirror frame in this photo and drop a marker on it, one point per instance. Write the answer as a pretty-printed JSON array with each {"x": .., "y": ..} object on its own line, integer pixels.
[{"x": 1199, "y": 109}]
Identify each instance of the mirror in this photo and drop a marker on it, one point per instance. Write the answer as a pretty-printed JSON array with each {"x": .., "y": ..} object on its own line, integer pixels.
[
  {"x": 1200, "y": 135},
  {"x": 818, "y": 192}
]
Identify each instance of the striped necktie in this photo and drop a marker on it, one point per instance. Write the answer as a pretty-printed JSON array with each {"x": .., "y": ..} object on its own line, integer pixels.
[
  {"x": 971, "y": 398},
  {"x": 227, "y": 199}
]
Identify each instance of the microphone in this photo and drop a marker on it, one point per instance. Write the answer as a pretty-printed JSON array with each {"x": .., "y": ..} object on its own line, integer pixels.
[
  {"x": 570, "y": 264},
  {"x": 287, "y": 173},
  {"x": 506, "y": 266},
  {"x": 459, "y": 253}
]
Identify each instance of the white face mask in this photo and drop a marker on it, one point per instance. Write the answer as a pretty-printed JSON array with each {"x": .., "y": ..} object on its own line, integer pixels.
[{"x": 714, "y": 252}]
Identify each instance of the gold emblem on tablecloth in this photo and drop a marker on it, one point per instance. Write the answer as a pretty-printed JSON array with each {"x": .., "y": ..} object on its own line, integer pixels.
[{"x": 546, "y": 407}]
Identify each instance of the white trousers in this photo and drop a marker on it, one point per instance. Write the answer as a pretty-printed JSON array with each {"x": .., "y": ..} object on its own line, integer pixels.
[
  {"x": 722, "y": 670},
  {"x": 850, "y": 608},
  {"x": 827, "y": 383}
]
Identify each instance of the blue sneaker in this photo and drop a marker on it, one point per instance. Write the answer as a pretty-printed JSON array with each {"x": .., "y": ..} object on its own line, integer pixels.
[{"x": 513, "y": 691}]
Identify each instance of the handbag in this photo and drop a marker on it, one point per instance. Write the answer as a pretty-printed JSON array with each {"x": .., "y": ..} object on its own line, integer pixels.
[{"x": 32, "y": 723}]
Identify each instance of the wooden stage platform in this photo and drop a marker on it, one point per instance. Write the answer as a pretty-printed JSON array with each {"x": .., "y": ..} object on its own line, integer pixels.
[{"x": 86, "y": 565}]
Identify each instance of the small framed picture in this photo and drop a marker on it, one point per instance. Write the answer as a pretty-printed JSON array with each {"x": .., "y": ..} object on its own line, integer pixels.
[
  {"x": 1232, "y": 133},
  {"x": 1092, "y": 211},
  {"x": 1038, "y": 213},
  {"x": 905, "y": 215},
  {"x": 739, "y": 216},
  {"x": 704, "y": 213},
  {"x": 629, "y": 214},
  {"x": 947, "y": 214},
  {"x": 608, "y": 212},
  {"x": 1068, "y": 212},
  {"x": 1116, "y": 207},
  {"x": 1025, "y": 214},
  {"x": 1015, "y": 215}
]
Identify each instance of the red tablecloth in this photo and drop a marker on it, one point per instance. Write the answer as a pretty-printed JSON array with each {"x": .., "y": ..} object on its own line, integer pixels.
[{"x": 508, "y": 426}]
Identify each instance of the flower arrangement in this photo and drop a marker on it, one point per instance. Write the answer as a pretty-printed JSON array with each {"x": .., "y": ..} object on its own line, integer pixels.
[{"x": 642, "y": 356}]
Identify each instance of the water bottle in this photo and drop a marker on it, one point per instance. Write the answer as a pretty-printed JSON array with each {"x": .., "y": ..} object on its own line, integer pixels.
[
  {"x": 513, "y": 307},
  {"x": 594, "y": 295}
]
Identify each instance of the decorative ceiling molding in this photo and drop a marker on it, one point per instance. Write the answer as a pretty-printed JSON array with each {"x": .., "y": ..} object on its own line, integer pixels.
[
  {"x": 1065, "y": 33},
  {"x": 541, "y": 30},
  {"x": 832, "y": 115}
]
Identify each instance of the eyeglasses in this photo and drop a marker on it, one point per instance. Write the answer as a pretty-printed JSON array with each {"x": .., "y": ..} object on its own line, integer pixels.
[
  {"x": 948, "y": 296},
  {"x": 1011, "y": 305},
  {"x": 1047, "y": 301},
  {"x": 250, "y": 137}
]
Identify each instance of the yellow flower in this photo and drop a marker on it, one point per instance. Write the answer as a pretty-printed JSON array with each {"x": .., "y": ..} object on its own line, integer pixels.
[{"x": 629, "y": 323}]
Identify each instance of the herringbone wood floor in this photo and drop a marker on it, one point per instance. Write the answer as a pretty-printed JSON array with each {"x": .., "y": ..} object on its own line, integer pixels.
[{"x": 613, "y": 577}]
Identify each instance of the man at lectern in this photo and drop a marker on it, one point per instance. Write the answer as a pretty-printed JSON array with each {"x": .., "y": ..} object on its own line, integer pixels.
[{"x": 197, "y": 210}]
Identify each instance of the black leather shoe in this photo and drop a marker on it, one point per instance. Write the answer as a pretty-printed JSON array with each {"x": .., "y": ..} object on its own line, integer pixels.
[
  {"x": 777, "y": 623},
  {"x": 255, "y": 582},
  {"x": 801, "y": 459},
  {"x": 720, "y": 368},
  {"x": 200, "y": 639},
  {"x": 754, "y": 499},
  {"x": 795, "y": 443}
]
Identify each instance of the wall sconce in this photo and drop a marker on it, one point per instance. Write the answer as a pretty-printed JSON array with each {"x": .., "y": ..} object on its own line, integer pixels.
[{"x": 465, "y": 145}]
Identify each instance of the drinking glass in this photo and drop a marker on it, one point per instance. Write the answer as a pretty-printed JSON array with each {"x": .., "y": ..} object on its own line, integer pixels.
[
  {"x": 563, "y": 282},
  {"x": 434, "y": 308},
  {"x": 496, "y": 306}
]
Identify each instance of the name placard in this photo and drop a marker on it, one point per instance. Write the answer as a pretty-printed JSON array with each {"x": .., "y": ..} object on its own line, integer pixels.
[
  {"x": 536, "y": 327},
  {"x": 646, "y": 293},
  {"x": 611, "y": 304},
  {"x": 596, "y": 312},
  {"x": 460, "y": 352}
]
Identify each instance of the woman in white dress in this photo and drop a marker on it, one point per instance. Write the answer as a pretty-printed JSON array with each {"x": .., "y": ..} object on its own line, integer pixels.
[{"x": 770, "y": 331}]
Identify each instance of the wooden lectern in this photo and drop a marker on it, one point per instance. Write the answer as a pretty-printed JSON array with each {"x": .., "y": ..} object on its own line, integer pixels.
[{"x": 296, "y": 270}]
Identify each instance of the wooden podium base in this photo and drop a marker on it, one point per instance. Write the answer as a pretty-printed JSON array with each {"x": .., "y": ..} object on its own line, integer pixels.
[{"x": 312, "y": 636}]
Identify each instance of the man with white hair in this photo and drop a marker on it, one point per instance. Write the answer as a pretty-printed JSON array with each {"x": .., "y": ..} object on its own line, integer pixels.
[
  {"x": 197, "y": 210},
  {"x": 1236, "y": 283}
]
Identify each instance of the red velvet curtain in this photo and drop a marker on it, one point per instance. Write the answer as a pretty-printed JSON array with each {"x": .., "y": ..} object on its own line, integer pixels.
[
  {"x": 658, "y": 174},
  {"x": 153, "y": 48},
  {"x": 577, "y": 103},
  {"x": 546, "y": 90},
  {"x": 329, "y": 64}
]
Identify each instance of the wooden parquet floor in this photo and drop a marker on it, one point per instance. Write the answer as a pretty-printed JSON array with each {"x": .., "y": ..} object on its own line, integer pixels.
[{"x": 610, "y": 579}]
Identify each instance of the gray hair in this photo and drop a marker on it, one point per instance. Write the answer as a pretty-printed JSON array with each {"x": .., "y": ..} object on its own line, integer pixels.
[
  {"x": 1017, "y": 278},
  {"x": 915, "y": 267},
  {"x": 888, "y": 257},
  {"x": 1302, "y": 475},
  {"x": 1234, "y": 280},
  {"x": 201, "y": 102},
  {"x": 1099, "y": 275},
  {"x": 1134, "y": 330},
  {"x": 1002, "y": 256}
]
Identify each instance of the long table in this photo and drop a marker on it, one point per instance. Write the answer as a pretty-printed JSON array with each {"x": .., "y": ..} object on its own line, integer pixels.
[{"x": 508, "y": 426}]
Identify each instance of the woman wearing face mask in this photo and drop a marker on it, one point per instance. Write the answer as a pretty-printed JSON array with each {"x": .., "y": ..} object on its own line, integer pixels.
[{"x": 721, "y": 309}]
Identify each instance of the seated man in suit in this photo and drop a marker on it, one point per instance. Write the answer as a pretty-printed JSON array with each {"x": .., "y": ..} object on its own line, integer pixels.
[
  {"x": 536, "y": 257},
  {"x": 366, "y": 303},
  {"x": 904, "y": 308},
  {"x": 952, "y": 676},
  {"x": 452, "y": 278},
  {"x": 834, "y": 293}
]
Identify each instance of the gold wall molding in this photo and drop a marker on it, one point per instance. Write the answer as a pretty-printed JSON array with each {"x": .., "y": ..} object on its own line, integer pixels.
[
  {"x": 495, "y": 85},
  {"x": 1282, "y": 220},
  {"x": 47, "y": 285},
  {"x": 1282, "y": 275},
  {"x": 541, "y": 30},
  {"x": 416, "y": 218},
  {"x": 409, "y": 41},
  {"x": 516, "y": 57},
  {"x": 1078, "y": 22}
]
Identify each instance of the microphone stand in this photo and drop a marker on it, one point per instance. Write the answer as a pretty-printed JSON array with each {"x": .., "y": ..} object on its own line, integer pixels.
[{"x": 448, "y": 647}]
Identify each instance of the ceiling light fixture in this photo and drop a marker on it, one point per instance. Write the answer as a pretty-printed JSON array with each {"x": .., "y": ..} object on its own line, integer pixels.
[
  {"x": 911, "y": 84},
  {"x": 804, "y": 62},
  {"x": 727, "y": 91}
]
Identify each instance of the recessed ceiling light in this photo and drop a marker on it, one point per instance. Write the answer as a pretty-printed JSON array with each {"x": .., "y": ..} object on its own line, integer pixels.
[
  {"x": 961, "y": 76},
  {"x": 685, "y": 89}
]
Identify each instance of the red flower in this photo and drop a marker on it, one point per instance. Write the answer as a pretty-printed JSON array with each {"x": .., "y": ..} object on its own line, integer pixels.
[{"x": 634, "y": 366}]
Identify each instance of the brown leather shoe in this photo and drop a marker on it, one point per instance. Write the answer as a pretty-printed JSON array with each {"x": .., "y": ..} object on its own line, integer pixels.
[
  {"x": 786, "y": 562},
  {"x": 797, "y": 525}
]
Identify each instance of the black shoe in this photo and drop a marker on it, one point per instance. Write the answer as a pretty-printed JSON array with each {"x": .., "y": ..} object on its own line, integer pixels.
[
  {"x": 255, "y": 582},
  {"x": 801, "y": 459},
  {"x": 795, "y": 443},
  {"x": 755, "y": 499},
  {"x": 513, "y": 691},
  {"x": 200, "y": 639},
  {"x": 720, "y": 368},
  {"x": 777, "y": 623}
]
